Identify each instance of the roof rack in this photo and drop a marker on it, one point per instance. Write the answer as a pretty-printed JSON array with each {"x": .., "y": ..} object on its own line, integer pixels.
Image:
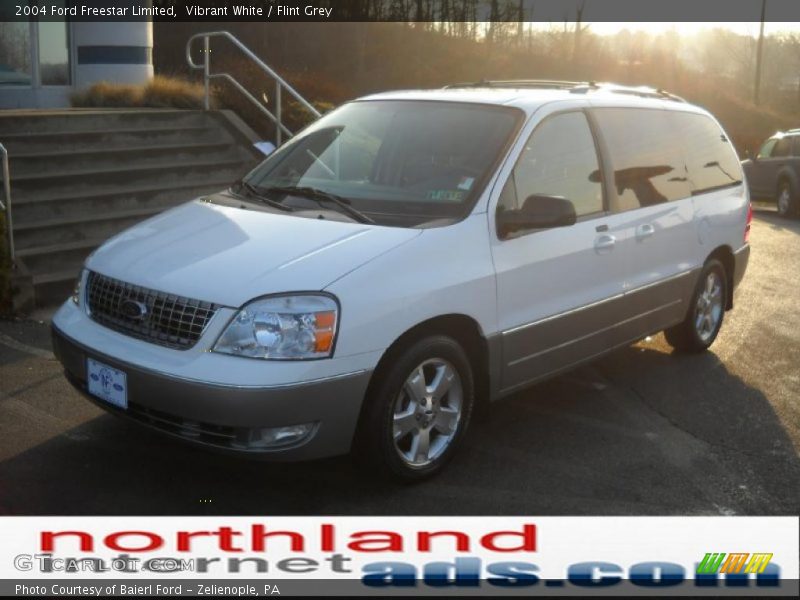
[
  {"x": 518, "y": 83},
  {"x": 576, "y": 87}
]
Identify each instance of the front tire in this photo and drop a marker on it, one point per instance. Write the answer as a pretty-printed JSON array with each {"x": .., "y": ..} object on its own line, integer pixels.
[
  {"x": 706, "y": 312},
  {"x": 786, "y": 200},
  {"x": 418, "y": 409}
]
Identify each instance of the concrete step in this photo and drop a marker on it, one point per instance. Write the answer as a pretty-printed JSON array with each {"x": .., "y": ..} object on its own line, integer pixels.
[
  {"x": 23, "y": 143},
  {"x": 74, "y": 229},
  {"x": 74, "y": 183},
  {"x": 53, "y": 288},
  {"x": 63, "y": 121},
  {"x": 79, "y": 177},
  {"x": 111, "y": 199},
  {"x": 38, "y": 164},
  {"x": 58, "y": 257}
]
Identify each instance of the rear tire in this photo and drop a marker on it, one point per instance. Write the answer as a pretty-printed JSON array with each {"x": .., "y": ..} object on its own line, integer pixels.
[
  {"x": 706, "y": 311},
  {"x": 417, "y": 410},
  {"x": 786, "y": 200}
]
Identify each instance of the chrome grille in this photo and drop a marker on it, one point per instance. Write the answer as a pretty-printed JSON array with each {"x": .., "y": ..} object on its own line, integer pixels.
[{"x": 156, "y": 317}]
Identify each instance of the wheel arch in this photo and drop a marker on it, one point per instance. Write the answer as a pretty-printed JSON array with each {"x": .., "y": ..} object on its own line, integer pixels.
[
  {"x": 462, "y": 328},
  {"x": 787, "y": 175}
]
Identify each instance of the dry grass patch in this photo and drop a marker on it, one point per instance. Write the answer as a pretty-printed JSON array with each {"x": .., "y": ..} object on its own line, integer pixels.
[{"x": 160, "y": 92}]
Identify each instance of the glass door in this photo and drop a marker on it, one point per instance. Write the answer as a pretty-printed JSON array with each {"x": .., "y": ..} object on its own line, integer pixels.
[
  {"x": 15, "y": 55},
  {"x": 54, "y": 50},
  {"x": 35, "y": 66}
]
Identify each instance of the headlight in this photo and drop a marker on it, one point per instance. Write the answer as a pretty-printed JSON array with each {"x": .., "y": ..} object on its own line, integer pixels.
[
  {"x": 76, "y": 291},
  {"x": 282, "y": 328}
]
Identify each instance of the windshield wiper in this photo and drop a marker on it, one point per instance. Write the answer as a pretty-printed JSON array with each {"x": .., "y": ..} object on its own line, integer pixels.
[
  {"x": 321, "y": 196},
  {"x": 256, "y": 193}
]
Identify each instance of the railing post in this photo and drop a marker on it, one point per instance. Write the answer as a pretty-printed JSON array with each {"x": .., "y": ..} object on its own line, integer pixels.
[
  {"x": 207, "y": 72},
  {"x": 278, "y": 110},
  {"x": 280, "y": 83},
  {"x": 6, "y": 207}
]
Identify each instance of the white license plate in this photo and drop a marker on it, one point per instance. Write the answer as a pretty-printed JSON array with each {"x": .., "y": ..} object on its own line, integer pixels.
[{"x": 107, "y": 383}]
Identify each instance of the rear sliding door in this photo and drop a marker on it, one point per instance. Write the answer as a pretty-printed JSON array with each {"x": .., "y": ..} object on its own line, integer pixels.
[{"x": 652, "y": 188}]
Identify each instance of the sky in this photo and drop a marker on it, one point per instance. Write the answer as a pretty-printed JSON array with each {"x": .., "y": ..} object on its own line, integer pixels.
[{"x": 693, "y": 27}]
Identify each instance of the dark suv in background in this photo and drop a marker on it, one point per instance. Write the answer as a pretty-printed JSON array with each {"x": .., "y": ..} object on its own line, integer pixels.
[{"x": 774, "y": 173}]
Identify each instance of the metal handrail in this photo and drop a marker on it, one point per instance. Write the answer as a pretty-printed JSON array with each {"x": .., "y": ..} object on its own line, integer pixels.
[
  {"x": 280, "y": 83},
  {"x": 6, "y": 206}
]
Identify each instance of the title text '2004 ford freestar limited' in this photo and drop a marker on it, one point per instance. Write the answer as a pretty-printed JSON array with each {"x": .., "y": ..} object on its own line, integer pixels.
[{"x": 409, "y": 255}]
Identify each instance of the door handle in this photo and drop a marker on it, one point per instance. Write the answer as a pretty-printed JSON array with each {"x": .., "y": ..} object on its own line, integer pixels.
[
  {"x": 605, "y": 243},
  {"x": 644, "y": 231}
]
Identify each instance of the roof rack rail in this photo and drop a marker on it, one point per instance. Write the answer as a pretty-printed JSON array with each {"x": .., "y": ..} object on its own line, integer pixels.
[
  {"x": 517, "y": 83},
  {"x": 576, "y": 87}
]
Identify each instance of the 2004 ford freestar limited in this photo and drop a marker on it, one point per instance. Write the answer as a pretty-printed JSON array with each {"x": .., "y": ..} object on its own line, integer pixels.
[{"x": 409, "y": 255}]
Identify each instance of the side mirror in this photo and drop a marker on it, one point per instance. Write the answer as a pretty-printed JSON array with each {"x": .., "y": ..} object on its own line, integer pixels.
[{"x": 538, "y": 212}]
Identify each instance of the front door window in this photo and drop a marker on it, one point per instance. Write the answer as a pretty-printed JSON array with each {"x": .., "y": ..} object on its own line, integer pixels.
[{"x": 766, "y": 149}]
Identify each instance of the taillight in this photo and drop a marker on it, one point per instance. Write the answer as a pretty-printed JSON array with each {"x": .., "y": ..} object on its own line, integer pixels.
[{"x": 749, "y": 221}]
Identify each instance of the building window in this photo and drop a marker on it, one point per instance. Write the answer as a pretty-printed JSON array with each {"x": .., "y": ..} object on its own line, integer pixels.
[
  {"x": 115, "y": 55},
  {"x": 15, "y": 54},
  {"x": 54, "y": 53},
  {"x": 34, "y": 53}
]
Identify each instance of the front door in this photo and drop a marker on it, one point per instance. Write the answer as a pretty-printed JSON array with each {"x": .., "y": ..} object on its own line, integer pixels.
[{"x": 558, "y": 290}]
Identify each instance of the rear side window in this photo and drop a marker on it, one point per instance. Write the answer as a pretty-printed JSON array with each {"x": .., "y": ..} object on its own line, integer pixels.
[
  {"x": 711, "y": 161},
  {"x": 782, "y": 148},
  {"x": 646, "y": 156}
]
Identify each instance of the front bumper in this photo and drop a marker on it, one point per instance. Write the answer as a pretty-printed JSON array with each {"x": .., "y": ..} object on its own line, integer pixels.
[{"x": 222, "y": 416}]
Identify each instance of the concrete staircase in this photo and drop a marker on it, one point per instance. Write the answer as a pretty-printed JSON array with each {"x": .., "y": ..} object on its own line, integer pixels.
[{"x": 79, "y": 177}]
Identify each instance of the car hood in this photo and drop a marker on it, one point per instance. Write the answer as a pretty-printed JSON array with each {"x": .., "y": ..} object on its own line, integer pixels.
[{"x": 229, "y": 256}]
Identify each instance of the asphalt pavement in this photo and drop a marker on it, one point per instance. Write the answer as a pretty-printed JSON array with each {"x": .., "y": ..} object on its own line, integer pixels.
[{"x": 641, "y": 431}]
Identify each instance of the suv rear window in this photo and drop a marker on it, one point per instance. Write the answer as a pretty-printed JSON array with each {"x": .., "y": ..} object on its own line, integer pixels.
[{"x": 782, "y": 148}]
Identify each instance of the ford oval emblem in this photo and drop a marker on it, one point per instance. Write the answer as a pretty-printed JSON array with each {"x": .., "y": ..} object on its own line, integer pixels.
[{"x": 133, "y": 309}]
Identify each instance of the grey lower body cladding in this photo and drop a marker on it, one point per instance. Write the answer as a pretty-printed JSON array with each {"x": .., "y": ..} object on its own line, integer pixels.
[{"x": 554, "y": 344}]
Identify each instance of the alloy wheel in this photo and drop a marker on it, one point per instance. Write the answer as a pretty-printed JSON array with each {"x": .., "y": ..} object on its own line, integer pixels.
[
  {"x": 709, "y": 308},
  {"x": 427, "y": 412},
  {"x": 784, "y": 199}
]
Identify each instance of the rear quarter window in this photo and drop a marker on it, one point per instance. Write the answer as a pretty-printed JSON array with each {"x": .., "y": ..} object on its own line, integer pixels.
[{"x": 711, "y": 161}]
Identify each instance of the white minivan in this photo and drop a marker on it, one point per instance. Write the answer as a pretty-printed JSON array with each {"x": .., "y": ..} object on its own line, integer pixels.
[{"x": 406, "y": 257}]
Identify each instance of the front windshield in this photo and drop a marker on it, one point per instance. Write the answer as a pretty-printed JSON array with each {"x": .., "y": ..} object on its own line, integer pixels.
[{"x": 402, "y": 163}]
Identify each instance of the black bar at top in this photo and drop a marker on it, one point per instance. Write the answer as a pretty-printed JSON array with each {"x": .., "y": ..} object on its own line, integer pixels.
[{"x": 712, "y": 11}]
